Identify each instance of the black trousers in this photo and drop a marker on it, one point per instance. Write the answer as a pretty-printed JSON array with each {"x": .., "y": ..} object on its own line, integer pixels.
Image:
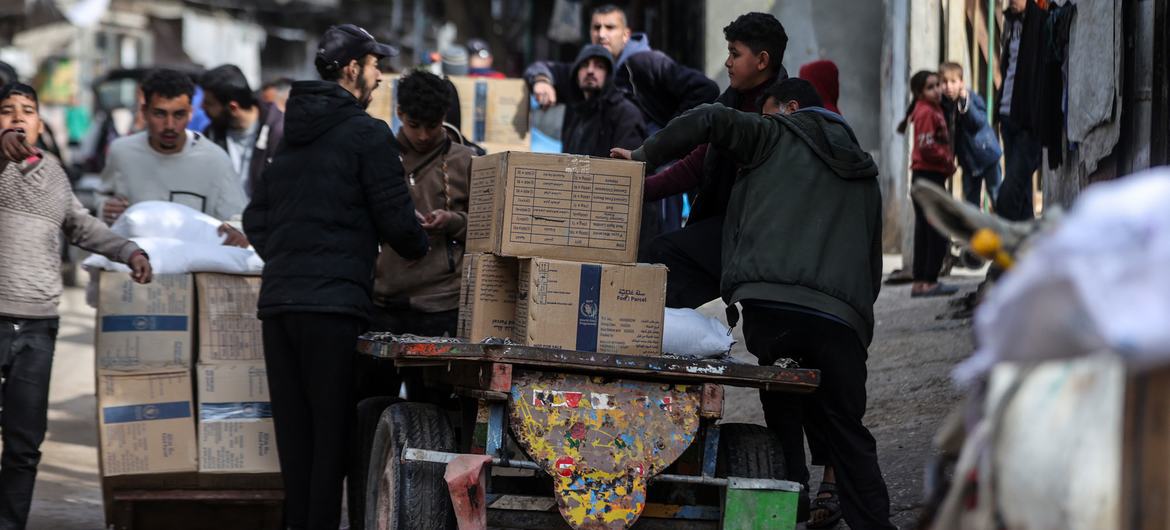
[
  {"x": 403, "y": 321},
  {"x": 930, "y": 246},
  {"x": 309, "y": 357},
  {"x": 831, "y": 416},
  {"x": 26, "y": 364},
  {"x": 1021, "y": 158},
  {"x": 694, "y": 259}
]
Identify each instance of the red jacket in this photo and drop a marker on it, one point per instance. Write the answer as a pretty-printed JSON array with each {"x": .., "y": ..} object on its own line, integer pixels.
[{"x": 933, "y": 150}]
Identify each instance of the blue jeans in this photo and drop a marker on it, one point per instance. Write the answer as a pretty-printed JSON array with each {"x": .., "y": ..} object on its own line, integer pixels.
[
  {"x": 1021, "y": 153},
  {"x": 26, "y": 363},
  {"x": 972, "y": 185}
]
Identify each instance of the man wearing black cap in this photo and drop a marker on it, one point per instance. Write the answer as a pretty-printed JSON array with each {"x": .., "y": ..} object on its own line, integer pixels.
[
  {"x": 330, "y": 196},
  {"x": 480, "y": 60}
]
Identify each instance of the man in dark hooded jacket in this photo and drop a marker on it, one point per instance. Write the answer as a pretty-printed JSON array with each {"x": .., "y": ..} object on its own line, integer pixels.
[
  {"x": 801, "y": 251},
  {"x": 661, "y": 88},
  {"x": 247, "y": 128},
  {"x": 602, "y": 117},
  {"x": 332, "y": 193}
]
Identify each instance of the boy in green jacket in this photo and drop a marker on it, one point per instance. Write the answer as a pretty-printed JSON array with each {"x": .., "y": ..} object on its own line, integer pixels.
[{"x": 802, "y": 255}]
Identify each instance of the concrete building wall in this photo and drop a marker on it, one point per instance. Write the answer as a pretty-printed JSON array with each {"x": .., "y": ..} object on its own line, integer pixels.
[{"x": 848, "y": 32}]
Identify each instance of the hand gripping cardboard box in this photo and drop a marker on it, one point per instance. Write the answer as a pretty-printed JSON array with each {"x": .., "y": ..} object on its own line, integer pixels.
[
  {"x": 236, "y": 432},
  {"x": 492, "y": 112},
  {"x": 145, "y": 328},
  {"x": 146, "y": 423},
  {"x": 591, "y": 307},
  {"x": 555, "y": 206},
  {"x": 487, "y": 297},
  {"x": 228, "y": 328}
]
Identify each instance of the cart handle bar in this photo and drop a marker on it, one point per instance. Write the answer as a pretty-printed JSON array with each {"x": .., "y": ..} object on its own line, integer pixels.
[{"x": 440, "y": 457}]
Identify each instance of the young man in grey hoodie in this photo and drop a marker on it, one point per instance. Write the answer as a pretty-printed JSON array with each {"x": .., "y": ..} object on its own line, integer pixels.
[{"x": 36, "y": 204}]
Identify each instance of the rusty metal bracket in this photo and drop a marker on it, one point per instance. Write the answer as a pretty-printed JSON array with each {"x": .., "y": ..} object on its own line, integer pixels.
[{"x": 711, "y": 405}]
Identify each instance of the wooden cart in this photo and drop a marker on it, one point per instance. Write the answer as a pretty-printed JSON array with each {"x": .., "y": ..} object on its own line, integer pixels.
[{"x": 572, "y": 439}]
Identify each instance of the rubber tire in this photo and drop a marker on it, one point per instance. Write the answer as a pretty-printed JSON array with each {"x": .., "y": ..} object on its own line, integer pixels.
[
  {"x": 750, "y": 451},
  {"x": 414, "y": 494},
  {"x": 369, "y": 413}
]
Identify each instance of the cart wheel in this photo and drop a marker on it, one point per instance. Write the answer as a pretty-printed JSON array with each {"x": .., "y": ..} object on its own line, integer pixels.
[
  {"x": 750, "y": 451},
  {"x": 369, "y": 414},
  {"x": 409, "y": 495}
]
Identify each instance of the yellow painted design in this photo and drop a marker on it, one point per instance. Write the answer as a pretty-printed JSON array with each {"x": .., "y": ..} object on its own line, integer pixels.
[{"x": 602, "y": 441}]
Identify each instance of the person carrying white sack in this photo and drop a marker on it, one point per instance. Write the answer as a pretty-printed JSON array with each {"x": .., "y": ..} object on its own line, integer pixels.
[{"x": 166, "y": 162}]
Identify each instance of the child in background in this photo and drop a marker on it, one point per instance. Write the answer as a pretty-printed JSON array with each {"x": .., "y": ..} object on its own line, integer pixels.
[
  {"x": 36, "y": 204},
  {"x": 933, "y": 160},
  {"x": 976, "y": 146}
]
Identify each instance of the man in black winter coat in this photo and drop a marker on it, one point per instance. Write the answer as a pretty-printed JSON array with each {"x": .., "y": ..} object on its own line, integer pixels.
[
  {"x": 332, "y": 193},
  {"x": 661, "y": 88},
  {"x": 602, "y": 118}
]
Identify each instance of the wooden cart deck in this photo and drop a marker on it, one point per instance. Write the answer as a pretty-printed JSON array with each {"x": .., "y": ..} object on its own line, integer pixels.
[
  {"x": 183, "y": 501},
  {"x": 409, "y": 351}
]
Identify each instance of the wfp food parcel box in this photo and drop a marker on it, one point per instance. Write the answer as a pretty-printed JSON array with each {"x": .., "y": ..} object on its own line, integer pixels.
[
  {"x": 487, "y": 297},
  {"x": 236, "y": 432},
  {"x": 591, "y": 307},
  {"x": 228, "y": 328},
  {"x": 146, "y": 423},
  {"x": 555, "y": 206},
  {"x": 492, "y": 112},
  {"x": 144, "y": 328}
]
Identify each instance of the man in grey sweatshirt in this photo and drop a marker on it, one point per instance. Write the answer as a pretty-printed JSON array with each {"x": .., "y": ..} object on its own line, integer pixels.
[{"x": 36, "y": 204}]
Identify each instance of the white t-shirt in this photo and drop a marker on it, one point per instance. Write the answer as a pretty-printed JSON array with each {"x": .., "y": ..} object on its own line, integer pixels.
[{"x": 200, "y": 176}]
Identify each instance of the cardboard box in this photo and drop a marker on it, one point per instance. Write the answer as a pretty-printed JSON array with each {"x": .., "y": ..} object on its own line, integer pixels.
[
  {"x": 555, "y": 206},
  {"x": 492, "y": 111},
  {"x": 146, "y": 423},
  {"x": 487, "y": 297},
  {"x": 228, "y": 328},
  {"x": 591, "y": 307},
  {"x": 145, "y": 328},
  {"x": 236, "y": 433}
]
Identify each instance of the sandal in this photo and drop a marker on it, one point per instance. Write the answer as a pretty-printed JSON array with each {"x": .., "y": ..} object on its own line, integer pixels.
[
  {"x": 939, "y": 289},
  {"x": 825, "y": 511}
]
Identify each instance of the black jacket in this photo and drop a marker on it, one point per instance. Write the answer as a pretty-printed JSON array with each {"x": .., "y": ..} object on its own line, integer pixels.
[
  {"x": 804, "y": 221},
  {"x": 1029, "y": 72},
  {"x": 659, "y": 87},
  {"x": 268, "y": 137},
  {"x": 329, "y": 196},
  {"x": 609, "y": 119}
]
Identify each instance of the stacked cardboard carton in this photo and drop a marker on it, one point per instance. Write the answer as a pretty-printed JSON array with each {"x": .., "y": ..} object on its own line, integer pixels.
[
  {"x": 148, "y": 337},
  {"x": 552, "y": 242},
  {"x": 145, "y": 336},
  {"x": 492, "y": 112},
  {"x": 236, "y": 432}
]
